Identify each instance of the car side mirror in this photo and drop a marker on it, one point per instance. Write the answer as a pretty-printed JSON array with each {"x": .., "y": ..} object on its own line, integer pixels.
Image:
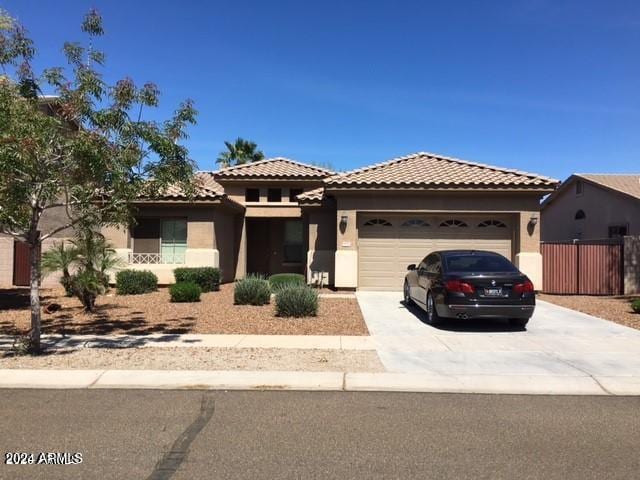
[{"x": 411, "y": 267}]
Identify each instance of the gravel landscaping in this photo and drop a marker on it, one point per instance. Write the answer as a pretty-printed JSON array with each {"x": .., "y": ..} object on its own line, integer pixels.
[
  {"x": 154, "y": 313},
  {"x": 616, "y": 309},
  {"x": 199, "y": 359}
]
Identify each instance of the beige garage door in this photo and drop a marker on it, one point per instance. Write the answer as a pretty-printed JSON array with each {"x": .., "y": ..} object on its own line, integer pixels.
[{"x": 388, "y": 243}]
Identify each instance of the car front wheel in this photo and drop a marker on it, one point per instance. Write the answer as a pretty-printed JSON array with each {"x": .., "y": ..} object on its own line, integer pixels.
[{"x": 432, "y": 314}]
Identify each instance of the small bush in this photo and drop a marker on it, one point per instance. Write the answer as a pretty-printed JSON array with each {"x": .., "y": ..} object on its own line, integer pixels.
[
  {"x": 252, "y": 290},
  {"x": 185, "y": 292},
  {"x": 283, "y": 280},
  {"x": 297, "y": 301},
  {"x": 207, "y": 277},
  {"x": 135, "y": 282},
  {"x": 635, "y": 305},
  {"x": 87, "y": 285}
]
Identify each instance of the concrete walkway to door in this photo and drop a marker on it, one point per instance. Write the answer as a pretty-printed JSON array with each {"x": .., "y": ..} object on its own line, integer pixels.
[{"x": 559, "y": 346}]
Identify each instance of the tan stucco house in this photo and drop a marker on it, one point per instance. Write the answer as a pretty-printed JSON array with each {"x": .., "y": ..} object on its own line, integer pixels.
[
  {"x": 355, "y": 230},
  {"x": 593, "y": 207}
]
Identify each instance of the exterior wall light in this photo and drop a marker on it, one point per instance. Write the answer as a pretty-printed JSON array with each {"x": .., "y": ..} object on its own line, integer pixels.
[
  {"x": 343, "y": 220},
  {"x": 534, "y": 219}
]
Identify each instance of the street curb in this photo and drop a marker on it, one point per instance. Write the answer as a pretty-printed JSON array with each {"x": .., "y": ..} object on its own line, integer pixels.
[{"x": 319, "y": 381}]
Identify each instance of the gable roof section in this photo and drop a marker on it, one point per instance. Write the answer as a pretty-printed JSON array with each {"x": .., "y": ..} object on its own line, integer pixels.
[
  {"x": 273, "y": 168},
  {"x": 425, "y": 169},
  {"x": 624, "y": 183}
]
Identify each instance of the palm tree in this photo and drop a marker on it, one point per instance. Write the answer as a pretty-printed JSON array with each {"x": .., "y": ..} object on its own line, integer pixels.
[
  {"x": 60, "y": 259},
  {"x": 91, "y": 257},
  {"x": 240, "y": 152}
]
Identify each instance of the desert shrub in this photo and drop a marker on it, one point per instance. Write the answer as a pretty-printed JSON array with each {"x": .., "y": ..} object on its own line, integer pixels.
[
  {"x": 297, "y": 301},
  {"x": 635, "y": 305},
  {"x": 135, "y": 282},
  {"x": 283, "y": 280},
  {"x": 185, "y": 292},
  {"x": 252, "y": 290},
  {"x": 207, "y": 277}
]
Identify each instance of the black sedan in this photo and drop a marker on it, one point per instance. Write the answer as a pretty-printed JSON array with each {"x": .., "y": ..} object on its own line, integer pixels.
[{"x": 469, "y": 284}]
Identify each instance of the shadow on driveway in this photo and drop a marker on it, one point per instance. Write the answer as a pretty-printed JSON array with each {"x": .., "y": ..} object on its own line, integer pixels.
[{"x": 485, "y": 325}]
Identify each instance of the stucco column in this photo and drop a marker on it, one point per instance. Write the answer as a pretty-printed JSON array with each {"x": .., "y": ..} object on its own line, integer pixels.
[
  {"x": 322, "y": 244},
  {"x": 346, "y": 264},
  {"x": 6, "y": 261},
  {"x": 528, "y": 258},
  {"x": 241, "y": 229}
]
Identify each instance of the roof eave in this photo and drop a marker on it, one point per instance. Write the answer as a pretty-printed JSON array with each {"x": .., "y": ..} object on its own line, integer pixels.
[
  {"x": 264, "y": 178},
  {"x": 335, "y": 187}
]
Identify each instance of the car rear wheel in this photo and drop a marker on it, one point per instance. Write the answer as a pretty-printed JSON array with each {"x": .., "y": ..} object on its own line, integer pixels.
[
  {"x": 432, "y": 314},
  {"x": 407, "y": 294},
  {"x": 518, "y": 322}
]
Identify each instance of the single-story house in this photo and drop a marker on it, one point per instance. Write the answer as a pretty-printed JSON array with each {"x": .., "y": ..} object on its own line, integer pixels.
[
  {"x": 592, "y": 207},
  {"x": 356, "y": 230}
]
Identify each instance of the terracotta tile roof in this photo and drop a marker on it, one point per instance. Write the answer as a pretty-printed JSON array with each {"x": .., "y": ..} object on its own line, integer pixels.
[
  {"x": 206, "y": 188},
  {"x": 273, "y": 168},
  {"x": 314, "y": 195},
  {"x": 428, "y": 169},
  {"x": 624, "y": 183}
]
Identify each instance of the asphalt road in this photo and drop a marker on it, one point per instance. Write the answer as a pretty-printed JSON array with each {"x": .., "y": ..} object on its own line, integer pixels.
[{"x": 133, "y": 434}]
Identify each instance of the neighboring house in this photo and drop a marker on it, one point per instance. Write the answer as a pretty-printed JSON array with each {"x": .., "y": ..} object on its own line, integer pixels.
[
  {"x": 593, "y": 207},
  {"x": 358, "y": 229},
  {"x": 14, "y": 255}
]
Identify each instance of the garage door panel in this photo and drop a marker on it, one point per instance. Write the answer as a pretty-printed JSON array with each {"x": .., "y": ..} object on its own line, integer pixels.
[{"x": 385, "y": 252}]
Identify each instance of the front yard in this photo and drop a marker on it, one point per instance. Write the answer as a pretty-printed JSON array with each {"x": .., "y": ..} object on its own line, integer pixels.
[
  {"x": 616, "y": 309},
  {"x": 154, "y": 313}
]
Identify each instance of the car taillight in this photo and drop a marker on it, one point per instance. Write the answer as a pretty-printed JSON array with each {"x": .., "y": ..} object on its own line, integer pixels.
[
  {"x": 458, "y": 286},
  {"x": 526, "y": 287}
]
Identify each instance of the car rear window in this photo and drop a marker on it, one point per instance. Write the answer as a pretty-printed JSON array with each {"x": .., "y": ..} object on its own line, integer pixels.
[{"x": 478, "y": 263}]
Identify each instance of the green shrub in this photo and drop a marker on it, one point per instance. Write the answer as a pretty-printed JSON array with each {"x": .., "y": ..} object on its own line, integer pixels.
[
  {"x": 135, "y": 282},
  {"x": 635, "y": 305},
  {"x": 252, "y": 290},
  {"x": 207, "y": 277},
  {"x": 283, "y": 280},
  {"x": 86, "y": 285},
  {"x": 297, "y": 301},
  {"x": 185, "y": 292}
]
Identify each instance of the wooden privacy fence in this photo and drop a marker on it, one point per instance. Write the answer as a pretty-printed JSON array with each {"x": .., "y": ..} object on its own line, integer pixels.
[{"x": 583, "y": 267}]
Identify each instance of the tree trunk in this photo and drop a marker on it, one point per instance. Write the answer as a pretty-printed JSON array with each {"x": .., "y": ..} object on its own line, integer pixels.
[{"x": 35, "y": 246}]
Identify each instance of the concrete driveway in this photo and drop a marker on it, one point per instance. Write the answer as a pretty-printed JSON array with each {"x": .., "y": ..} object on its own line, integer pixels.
[{"x": 558, "y": 342}]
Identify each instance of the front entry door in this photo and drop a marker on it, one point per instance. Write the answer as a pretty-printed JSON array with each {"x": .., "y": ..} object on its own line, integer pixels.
[{"x": 258, "y": 246}]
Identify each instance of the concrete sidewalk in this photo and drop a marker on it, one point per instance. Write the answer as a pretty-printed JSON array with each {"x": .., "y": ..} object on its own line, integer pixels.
[
  {"x": 329, "y": 342},
  {"x": 321, "y": 381}
]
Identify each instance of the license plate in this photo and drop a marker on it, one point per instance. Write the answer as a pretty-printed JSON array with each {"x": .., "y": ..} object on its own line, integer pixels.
[{"x": 493, "y": 292}]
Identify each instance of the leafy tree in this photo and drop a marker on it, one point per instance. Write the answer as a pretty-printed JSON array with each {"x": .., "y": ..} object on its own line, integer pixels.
[
  {"x": 240, "y": 152},
  {"x": 88, "y": 151}
]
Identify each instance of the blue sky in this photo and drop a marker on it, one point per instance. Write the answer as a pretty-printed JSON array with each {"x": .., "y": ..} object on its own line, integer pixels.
[{"x": 543, "y": 86}]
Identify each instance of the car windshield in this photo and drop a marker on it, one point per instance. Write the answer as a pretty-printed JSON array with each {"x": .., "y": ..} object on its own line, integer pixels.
[{"x": 478, "y": 263}]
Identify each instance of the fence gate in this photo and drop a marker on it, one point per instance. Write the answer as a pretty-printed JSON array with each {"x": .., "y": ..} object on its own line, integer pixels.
[{"x": 583, "y": 267}]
